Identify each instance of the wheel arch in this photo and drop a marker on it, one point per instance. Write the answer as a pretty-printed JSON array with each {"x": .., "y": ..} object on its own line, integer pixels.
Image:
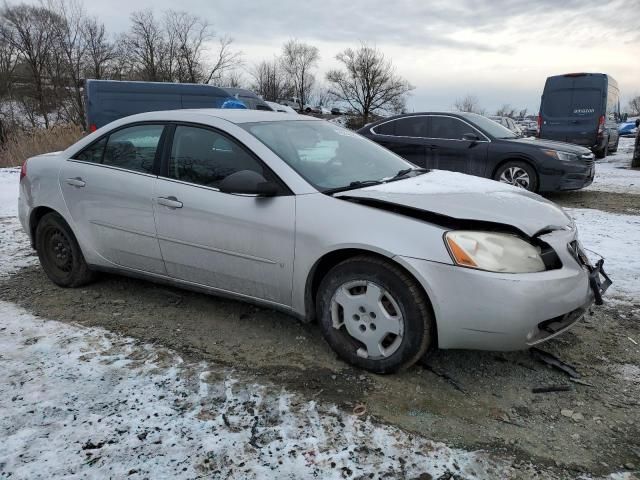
[
  {"x": 35, "y": 217},
  {"x": 517, "y": 158},
  {"x": 330, "y": 259}
]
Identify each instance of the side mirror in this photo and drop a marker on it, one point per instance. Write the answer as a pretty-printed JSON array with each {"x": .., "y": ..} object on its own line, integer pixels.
[
  {"x": 248, "y": 182},
  {"x": 637, "y": 122},
  {"x": 471, "y": 137}
]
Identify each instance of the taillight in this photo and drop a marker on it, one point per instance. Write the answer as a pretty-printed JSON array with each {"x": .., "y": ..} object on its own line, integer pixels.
[
  {"x": 539, "y": 124},
  {"x": 601, "y": 125},
  {"x": 23, "y": 170},
  {"x": 92, "y": 127}
]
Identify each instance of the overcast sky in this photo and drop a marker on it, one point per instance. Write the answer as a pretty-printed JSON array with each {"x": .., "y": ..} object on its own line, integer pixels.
[{"x": 499, "y": 51}]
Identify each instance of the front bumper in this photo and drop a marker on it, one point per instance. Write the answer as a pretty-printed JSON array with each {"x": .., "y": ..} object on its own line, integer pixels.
[
  {"x": 573, "y": 177},
  {"x": 493, "y": 311}
]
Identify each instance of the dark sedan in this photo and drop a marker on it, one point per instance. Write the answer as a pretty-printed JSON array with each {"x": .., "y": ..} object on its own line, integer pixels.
[{"x": 473, "y": 144}]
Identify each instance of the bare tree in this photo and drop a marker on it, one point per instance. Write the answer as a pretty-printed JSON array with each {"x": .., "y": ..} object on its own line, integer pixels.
[
  {"x": 232, "y": 78},
  {"x": 145, "y": 45},
  {"x": 66, "y": 68},
  {"x": 186, "y": 35},
  {"x": 298, "y": 61},
  {"x": 634, "y": 106},
  {"x": 100, "y": 51},
  {"x": 226, "y": 59},
  {"x": 29, "y": 31},
  {"x": 8, "y": 63},
  {"x": 270, "y": 80},
  {"x": 468, "y": 103},
  {"x": 368, "y": 82}
]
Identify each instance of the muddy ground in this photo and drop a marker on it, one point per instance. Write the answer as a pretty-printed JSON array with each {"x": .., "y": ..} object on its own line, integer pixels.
[{"x": 464, "y": 398}]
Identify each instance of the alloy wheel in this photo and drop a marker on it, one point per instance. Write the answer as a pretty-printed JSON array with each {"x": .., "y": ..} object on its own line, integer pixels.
[{"x": 516, "y": 176}]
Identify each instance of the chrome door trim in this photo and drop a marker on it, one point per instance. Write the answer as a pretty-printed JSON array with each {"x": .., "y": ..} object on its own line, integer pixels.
[
  {"x": 488, "y": 140},
  {"x": 120, "y": 169}
]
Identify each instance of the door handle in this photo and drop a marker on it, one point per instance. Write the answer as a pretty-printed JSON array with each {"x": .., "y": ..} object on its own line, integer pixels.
[
  {"x": 76, "y": 182},
  {"x": 171, "y": 202}
]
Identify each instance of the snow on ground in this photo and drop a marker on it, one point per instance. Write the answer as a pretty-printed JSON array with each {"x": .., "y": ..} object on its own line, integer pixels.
[
  {"x": 14, "y": 243},
  {"x": 615, "y": 237},
  {"x": 613, "y": 173},
  {"x": 82, "y": 402}
]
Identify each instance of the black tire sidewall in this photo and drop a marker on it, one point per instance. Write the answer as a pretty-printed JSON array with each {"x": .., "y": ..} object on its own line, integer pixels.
[
  {"x": 418, "y": 323},
  {"x": 533, "y": 175},
  {"x": 78, "y": 268}
]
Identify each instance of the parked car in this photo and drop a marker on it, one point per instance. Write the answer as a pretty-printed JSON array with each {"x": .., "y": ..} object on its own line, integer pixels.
[
  {"x": 473, "y": 144},
  {"x": 581, "y": 108},
  {"x": 627, "y": 129},
  {"x": 508, "y": 123},
  {"x": 336, "y": 111},
  {"x": 304, "y": 216},
  {"x": 280, "y": 108}
]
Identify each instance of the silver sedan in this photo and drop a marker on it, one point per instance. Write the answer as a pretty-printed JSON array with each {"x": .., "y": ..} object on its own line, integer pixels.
[{"x": 301, "y": 215}]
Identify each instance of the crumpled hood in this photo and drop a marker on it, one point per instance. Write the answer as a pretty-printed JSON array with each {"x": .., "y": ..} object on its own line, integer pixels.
[{"x": 465, "y": 197}]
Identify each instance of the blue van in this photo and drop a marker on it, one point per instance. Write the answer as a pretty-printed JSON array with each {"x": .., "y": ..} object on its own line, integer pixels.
[
  {"x": 109, "y": 100},
  {"x": 581, "y": 108}
]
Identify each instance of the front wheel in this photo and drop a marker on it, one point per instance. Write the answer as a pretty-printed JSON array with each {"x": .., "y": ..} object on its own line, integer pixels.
[
  {"x": 374, "y": 315},
  {"x": 518, "y": 174},
  {"x": 60, "y": 254}
]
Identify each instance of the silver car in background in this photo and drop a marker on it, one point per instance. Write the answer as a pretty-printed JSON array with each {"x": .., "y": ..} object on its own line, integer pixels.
[{"x": 306, "y": 217}]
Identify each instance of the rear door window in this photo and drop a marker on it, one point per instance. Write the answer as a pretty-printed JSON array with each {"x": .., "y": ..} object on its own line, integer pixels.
[
  {"x": 448, "y": 128},
  {"x": 411, "y": 127},
  {"x": 133, "y": 148},
  {"x": 387, "y": 128}
]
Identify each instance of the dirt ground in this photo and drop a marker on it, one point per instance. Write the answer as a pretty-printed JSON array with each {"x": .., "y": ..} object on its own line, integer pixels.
[{"x": 464, "y": 398}]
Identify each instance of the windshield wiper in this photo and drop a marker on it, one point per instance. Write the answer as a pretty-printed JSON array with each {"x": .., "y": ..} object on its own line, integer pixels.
[
  {"x": 366, "y": 183},
  {"x": 352, "y": 185},
  {"x": 406, "y": 171}
]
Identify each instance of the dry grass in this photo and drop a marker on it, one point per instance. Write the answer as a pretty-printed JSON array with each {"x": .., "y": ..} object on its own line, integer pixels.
[{"x": 22, "y": 145}]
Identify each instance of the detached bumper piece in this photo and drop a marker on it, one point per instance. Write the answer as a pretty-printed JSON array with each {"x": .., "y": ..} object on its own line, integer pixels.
[{"x": 599, "y": 281}]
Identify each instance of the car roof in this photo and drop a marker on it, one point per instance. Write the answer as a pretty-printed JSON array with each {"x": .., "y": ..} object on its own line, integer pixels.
[{"x": 229, "y": 114}]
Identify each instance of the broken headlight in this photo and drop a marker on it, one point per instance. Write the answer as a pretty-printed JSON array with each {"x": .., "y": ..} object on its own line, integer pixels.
[{"x": 495, "y": 252}]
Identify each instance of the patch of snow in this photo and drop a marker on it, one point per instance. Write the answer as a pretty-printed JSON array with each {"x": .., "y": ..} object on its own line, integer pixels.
[
  {"x": 9, "y": 186},
  {"x": 614, "y": 174},
  {"x": 615, "y": 237},
  {"x": 15, "y": 251},
  {"x": 82, "y": 402}
]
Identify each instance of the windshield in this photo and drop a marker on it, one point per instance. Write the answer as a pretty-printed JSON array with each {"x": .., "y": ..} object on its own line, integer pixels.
[
  {"x": 328, "y": 156},
  {"x": 491, "y": 128}
]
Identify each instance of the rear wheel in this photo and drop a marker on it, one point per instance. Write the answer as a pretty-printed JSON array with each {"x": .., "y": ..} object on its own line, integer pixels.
[
  {"x": 600, "y": 154},
  {"x": 374, "y": 315},
  {"x": 60, "y": 254},
  {"x": 519, "y": 174}
]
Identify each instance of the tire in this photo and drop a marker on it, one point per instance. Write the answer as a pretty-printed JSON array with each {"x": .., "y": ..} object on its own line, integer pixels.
[
  {"x": 60, "y": 254},
  {"x": 371, "y": 298},
  {"x": 519, "y": 174},
  {"x": 600, "y": 154},
  {"x": 615, "y": 147}
]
